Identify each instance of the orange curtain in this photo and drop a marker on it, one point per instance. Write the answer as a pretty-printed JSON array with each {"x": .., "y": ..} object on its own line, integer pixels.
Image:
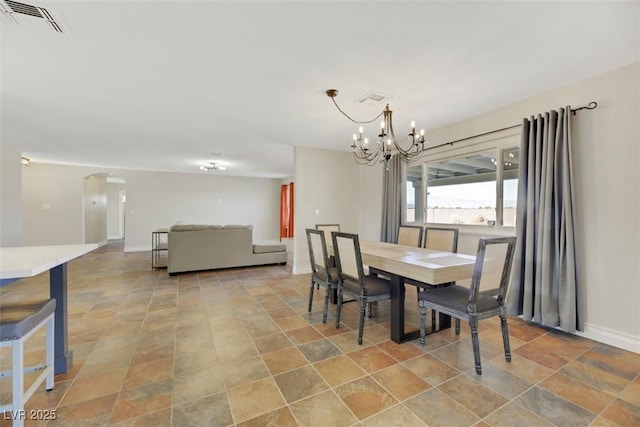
[
  {"x": 284, "y": 221},
  {"x": 291, "y": 210},
  {"x": 286, "y": 211}
]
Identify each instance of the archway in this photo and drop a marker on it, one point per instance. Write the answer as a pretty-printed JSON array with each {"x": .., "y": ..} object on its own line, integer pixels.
[{"x": 103, "y": 205}]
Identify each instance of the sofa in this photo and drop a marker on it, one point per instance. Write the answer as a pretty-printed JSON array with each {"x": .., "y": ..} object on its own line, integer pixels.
[{"x": 194, "y": 247}]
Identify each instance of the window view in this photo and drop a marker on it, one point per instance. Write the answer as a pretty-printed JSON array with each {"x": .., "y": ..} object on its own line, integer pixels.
[{"x": 465, "y": 190}]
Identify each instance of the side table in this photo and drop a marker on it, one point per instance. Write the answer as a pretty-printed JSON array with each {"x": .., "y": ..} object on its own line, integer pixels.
[{"x": 159, "y": 248}]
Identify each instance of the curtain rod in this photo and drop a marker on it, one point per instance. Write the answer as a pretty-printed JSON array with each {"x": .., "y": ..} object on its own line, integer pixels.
[{"x": 591, "y": 106}]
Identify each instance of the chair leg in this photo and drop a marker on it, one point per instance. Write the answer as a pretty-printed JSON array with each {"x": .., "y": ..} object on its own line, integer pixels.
[
  {"x": 457, "y": 326},
  {"x": 370, "y": 309},
  {"x": 50, "y": 353},
  {"x": 339, "y": 308},
  {"x": 473, "y": 324},
  {"x": 326, "y": 304},
  {"x": 433, "y": 319},
  {"x": 17, "y": 404},
  {"x": 505, "y": 338},
  {"x": 423, "y": 321},
  {"x": 363, "y": 307},
  {"x": 311, "y": 295}
]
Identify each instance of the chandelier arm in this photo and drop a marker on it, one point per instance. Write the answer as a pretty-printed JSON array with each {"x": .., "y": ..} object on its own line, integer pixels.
[
  {"x": 364, "y": 158},
  {"x": 353, "y": 120}
]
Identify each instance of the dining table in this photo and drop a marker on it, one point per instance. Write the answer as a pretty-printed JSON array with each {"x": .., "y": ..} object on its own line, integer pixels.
[
  {"x": 28, "y": 261},
  {"x": 426, "y": 266}
]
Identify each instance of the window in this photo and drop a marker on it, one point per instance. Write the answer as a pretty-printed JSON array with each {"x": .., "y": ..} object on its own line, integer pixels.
[{"x": 472, "y": 185}]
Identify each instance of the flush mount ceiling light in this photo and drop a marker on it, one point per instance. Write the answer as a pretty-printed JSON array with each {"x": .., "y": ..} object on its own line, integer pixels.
[
  {"x": 25, "y": 161},
  {"x": 213, "y": 166},
  {"x": 387, "y": 145}
]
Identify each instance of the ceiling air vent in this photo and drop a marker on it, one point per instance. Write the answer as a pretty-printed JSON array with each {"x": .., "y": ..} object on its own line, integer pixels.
[
  {"x": 21, "y": 13},
  {"x": 371, "y": 96}
]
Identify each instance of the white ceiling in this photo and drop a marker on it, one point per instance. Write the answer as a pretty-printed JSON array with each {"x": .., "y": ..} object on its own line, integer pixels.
[{"x": 157, "y": 85}]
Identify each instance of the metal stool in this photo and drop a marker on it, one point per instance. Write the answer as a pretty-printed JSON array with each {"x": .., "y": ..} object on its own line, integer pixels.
[{"x": 17, "y": 323}]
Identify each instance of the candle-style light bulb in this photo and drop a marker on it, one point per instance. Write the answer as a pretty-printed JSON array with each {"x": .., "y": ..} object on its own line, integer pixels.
[
  {"x": 355, "y": 137},
  {"x": 382, "y": 124},
  {"x": 413, "y": 125},
  {"x": 366, "y": 141},
  {"x": 360, "y": 130}
]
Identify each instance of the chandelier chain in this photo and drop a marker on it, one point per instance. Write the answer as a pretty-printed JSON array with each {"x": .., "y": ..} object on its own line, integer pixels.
[{"x": 353, "y": 120}]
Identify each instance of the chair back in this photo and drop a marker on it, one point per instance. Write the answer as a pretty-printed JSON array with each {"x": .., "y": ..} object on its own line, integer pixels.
[
  {"x": 318, "y": 256},
  {"x": 492, "y": 270},
  {"x": 328, "y": 229},
  {"x": 441, "y": 239},
  {"x": 410, "y": 235},
  {"x": 346, "y": 248}
]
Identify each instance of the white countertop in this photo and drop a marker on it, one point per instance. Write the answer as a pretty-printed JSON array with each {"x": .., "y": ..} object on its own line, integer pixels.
[{"x": 27, "y": 261}]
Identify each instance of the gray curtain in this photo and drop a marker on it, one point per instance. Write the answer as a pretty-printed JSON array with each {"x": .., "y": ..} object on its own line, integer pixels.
[
  {"x": 391, "y": 200},
  {"x": 545, "y": 286}
]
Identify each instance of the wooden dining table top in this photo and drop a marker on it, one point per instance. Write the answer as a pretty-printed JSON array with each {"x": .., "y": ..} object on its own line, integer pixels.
[{"x": 424, "y": 265}]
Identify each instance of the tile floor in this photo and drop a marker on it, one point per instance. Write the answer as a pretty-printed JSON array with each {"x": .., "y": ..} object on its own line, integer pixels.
[{"x": 238, "y": 348}]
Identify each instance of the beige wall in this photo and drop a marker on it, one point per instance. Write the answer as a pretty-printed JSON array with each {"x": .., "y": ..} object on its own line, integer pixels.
[
  {"x": 95, "y": 209},
  {"x": 326, "y": 192},
  {"x": 10, "y": 197},
  {"x": 113, "y": 209},
  {"x": 52, "y": 197},
  {"x": 52, "y": 210}
]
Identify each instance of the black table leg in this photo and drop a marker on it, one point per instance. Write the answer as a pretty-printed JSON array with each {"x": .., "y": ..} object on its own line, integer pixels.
[
  {"x": 58, "y": 290},
  {"x": 397, "y": 311}
]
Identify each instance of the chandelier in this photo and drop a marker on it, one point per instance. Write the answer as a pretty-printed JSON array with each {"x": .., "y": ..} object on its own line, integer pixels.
[{"x": 387, "y": 145}]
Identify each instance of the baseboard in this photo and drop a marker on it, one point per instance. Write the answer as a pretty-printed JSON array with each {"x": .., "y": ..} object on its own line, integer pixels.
[
  {"x": 104, "y": 242},
  {"x": 143, "y": 248},
  {"x": 306, "y": 269},
  {"x": 611, "y": 337}
]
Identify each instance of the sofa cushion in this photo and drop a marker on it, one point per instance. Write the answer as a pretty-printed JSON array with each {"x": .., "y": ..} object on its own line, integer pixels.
[
  {"x": 265, "y": 249},
  {"x": 194, "y": 227},
  {"x": 238, "y": 227}
]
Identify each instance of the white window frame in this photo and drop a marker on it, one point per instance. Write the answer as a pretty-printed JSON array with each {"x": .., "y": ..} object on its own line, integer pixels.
[{"x": 498, "y": 141}]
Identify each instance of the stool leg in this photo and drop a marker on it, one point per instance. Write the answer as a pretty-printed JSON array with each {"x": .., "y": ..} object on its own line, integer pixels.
[
  {"x": 50, "y": 352},
  {"x": 17, "y": 348}
]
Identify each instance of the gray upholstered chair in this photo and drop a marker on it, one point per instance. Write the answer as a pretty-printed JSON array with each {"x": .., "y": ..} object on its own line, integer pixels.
[
  {"x": 484, "y": 299},
  {"x": 18, "y": 322},
  {"x": 322, "y": 273},
  {"x": 353, "y": 282},
  {"x": 440, "y": 239}
]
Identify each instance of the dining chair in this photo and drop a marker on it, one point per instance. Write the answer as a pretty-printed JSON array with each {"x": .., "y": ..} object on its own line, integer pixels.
[
  {"x": 440, "y": 239},
  {"x": 410, "y": 235},
  {"x": 483, "y": 299},
  {"x": 327, "y": 229},
  {"x": 353, "y": 282},
  {"x": 322, "y": 273}
]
